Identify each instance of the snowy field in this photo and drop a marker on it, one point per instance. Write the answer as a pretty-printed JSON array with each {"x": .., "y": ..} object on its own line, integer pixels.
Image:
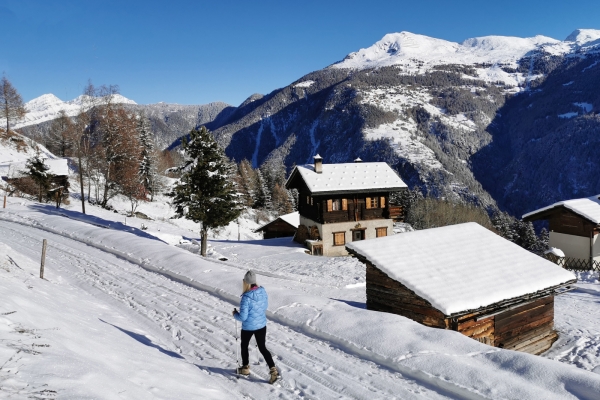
[{"x": 132, "y": 313}]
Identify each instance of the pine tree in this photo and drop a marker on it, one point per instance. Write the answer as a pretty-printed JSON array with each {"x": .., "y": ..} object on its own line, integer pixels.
[
  {"x": 263, "y": 194},
  {"x": 11, "y": 103},
  {"x": 147, "y": 171},
  {"x": 505, "y": 225},
  {"x": 37, "y": 170},
  {"x": 206, "y": 192}
]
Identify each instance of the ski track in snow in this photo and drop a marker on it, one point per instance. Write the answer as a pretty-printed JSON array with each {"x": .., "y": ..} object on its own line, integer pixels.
[{"x": 199, "y": 327}]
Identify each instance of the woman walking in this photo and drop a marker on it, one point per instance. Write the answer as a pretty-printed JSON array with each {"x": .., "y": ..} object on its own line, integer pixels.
[{"x": 254, "y": 323}]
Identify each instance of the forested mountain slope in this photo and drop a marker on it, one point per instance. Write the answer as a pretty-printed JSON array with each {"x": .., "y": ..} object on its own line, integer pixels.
[{"x": 449, "y": 117}]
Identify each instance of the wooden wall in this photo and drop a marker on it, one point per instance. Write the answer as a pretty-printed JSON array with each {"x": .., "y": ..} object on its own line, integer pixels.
[
  {"x": 528, "y": 328},
  {"x": 388, "y": 295}
]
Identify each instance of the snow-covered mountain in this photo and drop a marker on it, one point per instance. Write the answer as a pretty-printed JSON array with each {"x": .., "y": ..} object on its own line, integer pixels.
[
  {"x": 451, "y": 118},
  {"x": 418, "y": 53},
  {"x": 169, "y": 121},
  {"x": 47, "y": 107}
]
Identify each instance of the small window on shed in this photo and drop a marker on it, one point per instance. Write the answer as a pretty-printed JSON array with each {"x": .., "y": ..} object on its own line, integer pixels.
[
  {"x": 380, "y": 232},
  {"x": 339, "y": 238}
]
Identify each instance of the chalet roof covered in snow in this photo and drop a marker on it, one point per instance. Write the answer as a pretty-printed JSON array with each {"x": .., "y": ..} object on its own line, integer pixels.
[
  {"x": 348, "y": 177},
  {"x": 292, "y": 218},
  {"x": 461, "y": 267},
  {"x": 587, "y": 207}
]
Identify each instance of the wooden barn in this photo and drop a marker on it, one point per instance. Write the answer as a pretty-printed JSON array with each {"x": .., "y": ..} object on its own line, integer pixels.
[
  {"x": 467, "y": 279},
  {"x": 574, "y": 228},
  {"x": 59, "y": 184},
  {"x": 283, "y": 226}
]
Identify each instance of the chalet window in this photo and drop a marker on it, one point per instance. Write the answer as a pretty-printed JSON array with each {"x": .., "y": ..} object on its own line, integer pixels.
[
  {"x": 311, "y": 201},
  {"x": 337, "y": 205},
  {"x": 307, "y": 199},
  {"x": 372, "y": 202},
  {"x": 339, "y": 238},
  {"x": 375, "y": 202},
  {"x": 380, "y": 232}
]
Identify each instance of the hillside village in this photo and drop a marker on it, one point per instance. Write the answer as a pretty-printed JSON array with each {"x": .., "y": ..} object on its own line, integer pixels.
[{"x": 385, "y": 279}]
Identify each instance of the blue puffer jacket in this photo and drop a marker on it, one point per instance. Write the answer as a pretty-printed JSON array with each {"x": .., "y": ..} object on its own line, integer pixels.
[{"x": 253, "y": 305}]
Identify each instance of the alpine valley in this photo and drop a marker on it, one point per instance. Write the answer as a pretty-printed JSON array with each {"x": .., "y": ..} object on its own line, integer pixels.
[{"x": 497, "y": 121}]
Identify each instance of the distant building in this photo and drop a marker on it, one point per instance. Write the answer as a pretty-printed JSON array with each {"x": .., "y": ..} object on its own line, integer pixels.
[
  {"x": 342, "y": 203},
  {"x": 283, "y": 226},
  {"x": 59, "y": 168},
  {"x": 467, "y": 279},
  {"x": 574, "y": 227}
]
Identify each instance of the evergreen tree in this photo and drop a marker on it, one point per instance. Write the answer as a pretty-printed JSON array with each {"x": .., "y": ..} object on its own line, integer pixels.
[
  {"x": 37, "y": 170},
  {"x": 263, "y": 194},
  {"x": 505, "y": 226},
  {"x": 147, "y": 171},
  {"x": 206, "y": 192}
]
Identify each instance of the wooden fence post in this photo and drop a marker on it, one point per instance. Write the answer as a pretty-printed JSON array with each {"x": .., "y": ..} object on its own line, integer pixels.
[
  {"x": 4, "y": 202},
  {"x": 43, "y": 258}
]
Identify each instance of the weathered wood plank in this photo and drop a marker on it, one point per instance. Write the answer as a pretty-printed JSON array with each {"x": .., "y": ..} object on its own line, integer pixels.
[{"x": 525, "y": 319}]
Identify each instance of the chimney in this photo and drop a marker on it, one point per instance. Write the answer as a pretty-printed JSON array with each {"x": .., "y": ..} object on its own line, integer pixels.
[
  {"x": 318, "y": 164},
  {"x": 358, "y": 160}
]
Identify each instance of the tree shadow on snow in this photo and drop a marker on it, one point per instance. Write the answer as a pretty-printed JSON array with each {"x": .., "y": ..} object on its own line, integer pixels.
[
  {"x": 276, "y": 242},
  {"x": 144, "y": 340},
  {"x": 94, "y": 220},
  {"x": 356, "y": 304}
]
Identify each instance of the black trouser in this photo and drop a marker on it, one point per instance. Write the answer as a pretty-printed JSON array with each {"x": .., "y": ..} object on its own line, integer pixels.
[{"x": 260, "y": 335}]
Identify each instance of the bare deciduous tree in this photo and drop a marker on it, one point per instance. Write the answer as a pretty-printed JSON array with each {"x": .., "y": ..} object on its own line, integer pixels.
[{"x": 11, "y": 103}]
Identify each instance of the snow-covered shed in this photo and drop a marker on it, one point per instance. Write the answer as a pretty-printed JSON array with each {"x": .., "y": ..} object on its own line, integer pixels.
[
  {"x": 341, "y": 203},
  {"x": 468, "y": 279},
  {"x": 283, "y": 226},
  {"x": 58, "y": 168},
  {"x": 574, "y": 228}
]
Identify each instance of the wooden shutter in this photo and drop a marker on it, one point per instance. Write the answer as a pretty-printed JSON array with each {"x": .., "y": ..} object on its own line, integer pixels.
[
  {"x": 368, "y": 202},
  {"x": 344, "y": 204},
  {"x": 382, "y": 202},
  {"x": 329, "y": 205}
]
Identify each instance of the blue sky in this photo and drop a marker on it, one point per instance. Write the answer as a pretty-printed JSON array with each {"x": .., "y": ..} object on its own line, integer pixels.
[{"x": 195, "y": 52}]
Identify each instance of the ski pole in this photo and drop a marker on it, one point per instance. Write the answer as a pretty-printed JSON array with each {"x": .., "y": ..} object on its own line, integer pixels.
[{"x": 237, "y": 348}]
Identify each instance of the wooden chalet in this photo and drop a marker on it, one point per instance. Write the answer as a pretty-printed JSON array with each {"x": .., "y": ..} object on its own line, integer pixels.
[
  {"x": 341, "y": 203},
  {"x": 58, "y": 168},
  {"x": 283, "y": 226},
  {"x": 574, "y": 228},
  {"x": 467, "y": 279}
]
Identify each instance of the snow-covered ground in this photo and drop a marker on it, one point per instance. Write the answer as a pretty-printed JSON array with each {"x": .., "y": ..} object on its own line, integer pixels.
[{"x": 131, "y": 313}]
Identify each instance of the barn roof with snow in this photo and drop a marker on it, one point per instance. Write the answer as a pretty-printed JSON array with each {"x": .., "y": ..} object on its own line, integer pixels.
[
  {"x": 292, "y": 219},
  {"x": 461, "y": 267},
  {"x": 347, "y": 178},
  {"x": 59, "y": 167},
  {"x": 588, "y": 207}
]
